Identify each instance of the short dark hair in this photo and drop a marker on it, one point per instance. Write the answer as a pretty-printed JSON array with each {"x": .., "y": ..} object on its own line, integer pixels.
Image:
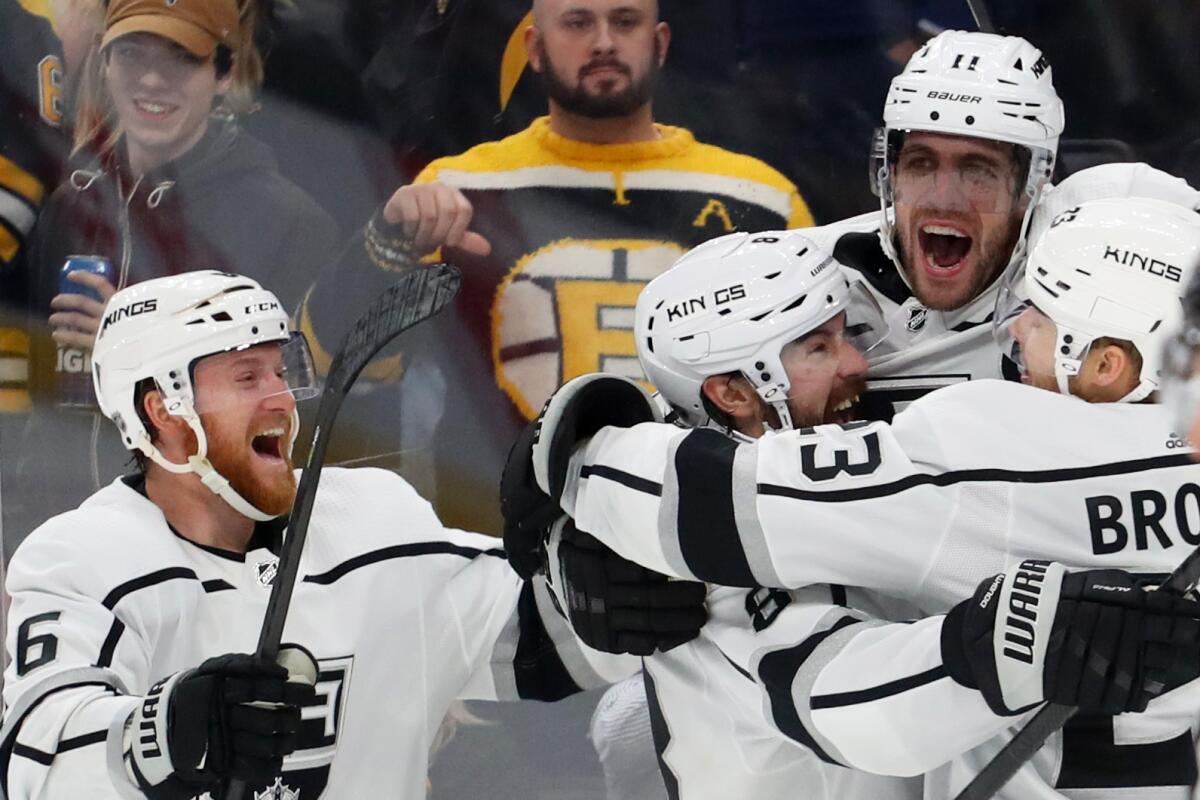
[{"x": 144, "y": 387}]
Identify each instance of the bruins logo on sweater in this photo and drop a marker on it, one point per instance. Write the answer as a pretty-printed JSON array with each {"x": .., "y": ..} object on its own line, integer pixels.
[{"x": 567, "y": 309}]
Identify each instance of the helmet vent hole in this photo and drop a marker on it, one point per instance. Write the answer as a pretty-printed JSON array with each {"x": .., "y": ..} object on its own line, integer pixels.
[
  {"x": 933, "y": 115},
  {"x": 660, "y": 304},
  {"x": 1065, "y": 287},
  {"x": 1049, "y": 291},
  {"x": 196, "y": 322},
  {"x": 222, "y": 316},
  {"x": 724, "y": 311},
  {"x": 1041, "y": 271},
  {"x": 650, "y": 324},
  {"x": 760, "y": 317},
  {"x": 650, "y": 343},
  {"x": 772, "y": 276},
  {"x": 1083, "y": 272},
  {"x": 1154, "y": 327},
  {"x": 254, "y": 331},
  {"x": 801, "y": 253},
  {"x": 970, "y": 120},
  {"x": 795, "y": 302}
]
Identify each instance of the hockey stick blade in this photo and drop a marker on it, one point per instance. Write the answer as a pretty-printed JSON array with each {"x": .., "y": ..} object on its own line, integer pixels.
[
  {"x": 983, "y": 20},
  {"x": 1022, "y": 747},
  {"x": 411, "y": 300}
]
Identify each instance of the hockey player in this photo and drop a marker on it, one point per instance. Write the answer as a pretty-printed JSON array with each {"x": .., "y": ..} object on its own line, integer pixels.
[
  {"x": 127, "y": 613},
  {"x": 969, "y": 137},
  {"x": 925, "y": 508},
  {"x": 1180, "y": 367}
]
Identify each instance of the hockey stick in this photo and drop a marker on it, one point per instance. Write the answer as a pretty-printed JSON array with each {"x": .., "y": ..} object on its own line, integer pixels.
[
  {"x": 983, "y": 20},
  {"x": 413, "y": 299},
  {"x": 1022, "y": 747}
]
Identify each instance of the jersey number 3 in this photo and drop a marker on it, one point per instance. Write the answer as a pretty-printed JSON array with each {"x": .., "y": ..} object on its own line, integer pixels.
[{"x": 865, "y": 465}]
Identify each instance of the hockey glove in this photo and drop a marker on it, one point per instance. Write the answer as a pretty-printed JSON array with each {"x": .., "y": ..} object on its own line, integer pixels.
[
  {"x": 535, "y": 473},
  {"x": 1098, "y": 640},
  {"x": 234, "y": 716},
  {"x": 617, "y": 606}
]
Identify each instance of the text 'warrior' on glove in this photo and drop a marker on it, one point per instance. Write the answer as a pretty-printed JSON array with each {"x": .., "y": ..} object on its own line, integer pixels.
[{"x": 1097, "y": 639}]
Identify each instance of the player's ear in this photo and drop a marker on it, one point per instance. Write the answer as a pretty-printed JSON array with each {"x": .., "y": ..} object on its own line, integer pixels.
[
  {"x": 166, "y": 426},
  {"x": 733, "y": 394},
  {"x": 1112, "y": 370}
]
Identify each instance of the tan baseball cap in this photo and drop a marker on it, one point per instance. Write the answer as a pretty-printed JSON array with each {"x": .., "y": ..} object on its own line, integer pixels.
[{"x": 196, "y": 25}]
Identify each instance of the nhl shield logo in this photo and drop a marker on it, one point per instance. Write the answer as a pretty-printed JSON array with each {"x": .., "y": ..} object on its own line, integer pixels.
[
  {"x": 916, "y": 318},
  {"x": 267, "y": 571},
  {"x": 278, "y": 791}
]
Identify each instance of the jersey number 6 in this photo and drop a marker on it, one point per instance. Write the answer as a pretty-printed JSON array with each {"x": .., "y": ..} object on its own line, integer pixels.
[{"x": 46, "y": 642}]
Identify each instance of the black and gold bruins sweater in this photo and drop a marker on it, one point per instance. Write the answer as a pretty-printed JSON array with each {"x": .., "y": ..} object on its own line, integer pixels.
[
  {"x": 577, "y": 229},
  {"x": 33, "y": 149}
]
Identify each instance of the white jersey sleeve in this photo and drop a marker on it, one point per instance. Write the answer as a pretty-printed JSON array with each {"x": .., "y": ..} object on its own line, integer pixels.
[
  {"x": 81, "y": 653},
  {"x": 856, "y": 691},
  {"x": 786, "y": 511}
]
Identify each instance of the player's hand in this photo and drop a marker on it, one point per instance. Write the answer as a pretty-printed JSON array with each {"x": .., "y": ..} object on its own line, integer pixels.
[
  {"x": 76, "y": 317},
  {"x": 435, "y": 215},
  {"x": 617, "y": 606},
  {"x": 234, "y": 716},
  {"x": 1098, "y": 640}
]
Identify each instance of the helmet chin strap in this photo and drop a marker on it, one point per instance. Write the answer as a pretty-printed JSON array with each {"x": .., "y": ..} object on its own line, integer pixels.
[{"x": 201, "y": 466}]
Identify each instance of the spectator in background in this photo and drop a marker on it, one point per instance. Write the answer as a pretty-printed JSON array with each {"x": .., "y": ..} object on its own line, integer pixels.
[
  {"x": 556, "y": 228},
  {"x": 171, "y": 179}
]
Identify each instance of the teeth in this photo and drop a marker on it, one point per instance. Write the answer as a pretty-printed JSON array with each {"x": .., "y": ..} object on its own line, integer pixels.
[
  {"x": 846, "y": 404},
  {"x": 271, "y": 432},
  {"x": 942, "y": 230},
  {"x": 153, "y": 108}
]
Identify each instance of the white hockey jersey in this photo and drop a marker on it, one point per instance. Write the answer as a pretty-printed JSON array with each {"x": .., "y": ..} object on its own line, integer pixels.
[
  {"x": 966, "y": 482},
  {"x": 926, "y": 349},
  {"x": 403, "y": 616}
]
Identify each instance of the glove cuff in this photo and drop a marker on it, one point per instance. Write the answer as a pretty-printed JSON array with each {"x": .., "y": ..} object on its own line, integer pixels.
[{"x": 147, "y": 749}]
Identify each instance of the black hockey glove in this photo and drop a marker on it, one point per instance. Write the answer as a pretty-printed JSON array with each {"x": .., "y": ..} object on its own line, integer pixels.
[
  {"x": 535, "y": 473},
  {"x": 1098, "y": 640},
  {"x": 617, "y": 606},
  {"x": 234, "y": 716}
]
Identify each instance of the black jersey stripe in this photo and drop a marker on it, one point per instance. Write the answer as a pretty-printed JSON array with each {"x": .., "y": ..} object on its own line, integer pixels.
[
  {"x": 400, "y": 551},
  {"x": 661, "y": 733},
  {"x": 75, "y": 742},
  {"x": 216, "y": 585},
  {"x": 708, "y": 529},
  {"x": 9, "y": 746},
  {"x": 778, "y": 671},
  {"x": 635, "y": 482},
  {"x": 146, "y": 581},
  {"x": 33, "y": 754},
  {"x": 898, "y": 686},
  {"x": 109, "y": 648},
  {"x": 66, "y": 745},
  {"x": 944, "y": 479}
]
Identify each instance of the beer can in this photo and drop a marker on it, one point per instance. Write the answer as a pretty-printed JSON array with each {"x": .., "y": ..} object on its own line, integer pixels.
[{"x": 73, "y": 366}]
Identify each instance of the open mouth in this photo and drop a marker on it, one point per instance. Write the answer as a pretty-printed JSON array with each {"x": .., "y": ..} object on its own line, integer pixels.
[
  {"x": 154, "y": 110},
  {"x": 944, "y": 248},
  {"x": 844, "y": 411},
  {"x": 270, "y": 444}
]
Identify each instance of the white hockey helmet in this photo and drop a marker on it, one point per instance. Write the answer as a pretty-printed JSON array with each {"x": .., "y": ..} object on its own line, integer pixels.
[
  {"x": 1111, "y": 267},
  {"x": 732, "y": 304},
  {"x": 975, "y": 84},
  {"x": 158, "y": 329}
]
